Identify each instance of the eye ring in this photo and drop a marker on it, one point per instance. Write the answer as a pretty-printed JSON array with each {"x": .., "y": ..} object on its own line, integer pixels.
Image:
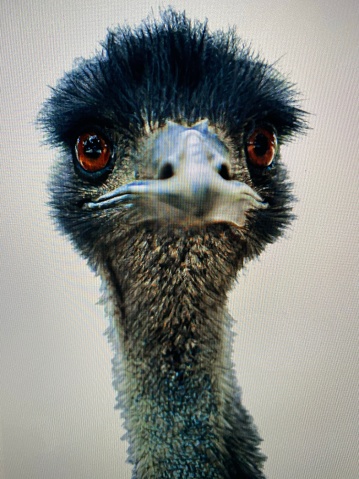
[
  {"x": 261, "y": 147},
  {"x": 93, "y": 152}
]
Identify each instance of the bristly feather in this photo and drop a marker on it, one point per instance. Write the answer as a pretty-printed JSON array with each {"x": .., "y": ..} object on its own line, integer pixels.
[{"x": 175, "y": 70}]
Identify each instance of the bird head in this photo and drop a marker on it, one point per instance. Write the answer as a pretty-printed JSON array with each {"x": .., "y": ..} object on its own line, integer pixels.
[{"x": 171, "y": 126}]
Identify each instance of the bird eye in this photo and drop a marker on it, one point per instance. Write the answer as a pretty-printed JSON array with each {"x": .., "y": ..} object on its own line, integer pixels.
[
  {"x": 92, "y": 152},
  {"x": 261, "y": 147}
]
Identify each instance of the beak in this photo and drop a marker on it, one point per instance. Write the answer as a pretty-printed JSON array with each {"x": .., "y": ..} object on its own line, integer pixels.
[{"x": 190, "y": 163}]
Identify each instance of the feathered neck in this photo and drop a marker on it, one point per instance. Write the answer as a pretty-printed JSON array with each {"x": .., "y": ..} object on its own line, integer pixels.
[{"x": 172, "y": 367}]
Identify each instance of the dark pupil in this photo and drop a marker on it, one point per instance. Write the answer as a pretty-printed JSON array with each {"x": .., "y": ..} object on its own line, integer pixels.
[
  {"x": 92, "y": 147},
  {"x": 261, "y": 144}
]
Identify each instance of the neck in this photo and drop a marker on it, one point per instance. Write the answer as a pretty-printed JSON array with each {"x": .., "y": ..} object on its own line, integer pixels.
[{"x": 177, "y": 383}]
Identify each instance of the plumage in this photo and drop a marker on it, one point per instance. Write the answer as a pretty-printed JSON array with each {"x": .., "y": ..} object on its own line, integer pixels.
[{"x": 168, "y": 181}]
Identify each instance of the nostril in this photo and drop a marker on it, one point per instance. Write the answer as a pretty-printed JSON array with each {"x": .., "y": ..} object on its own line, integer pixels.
[
  {"x": 166, "y": 172},
  {"x": 223, "y": 171}
]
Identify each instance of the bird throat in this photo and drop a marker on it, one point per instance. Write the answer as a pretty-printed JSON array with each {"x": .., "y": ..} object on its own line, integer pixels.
[{"x": 166, "y": 293}]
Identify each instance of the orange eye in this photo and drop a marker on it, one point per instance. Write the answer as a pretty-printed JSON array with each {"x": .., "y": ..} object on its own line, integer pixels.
[
  {"x": 261, "y": 147},
  {"x": 92, "y": 152}
]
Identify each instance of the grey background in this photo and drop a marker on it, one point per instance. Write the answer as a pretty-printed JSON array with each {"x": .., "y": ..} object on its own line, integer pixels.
[{"x": 296, "y": 308}]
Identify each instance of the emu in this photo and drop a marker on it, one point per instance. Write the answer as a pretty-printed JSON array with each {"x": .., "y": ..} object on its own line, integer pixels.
[{"x": 168, "y": 182}]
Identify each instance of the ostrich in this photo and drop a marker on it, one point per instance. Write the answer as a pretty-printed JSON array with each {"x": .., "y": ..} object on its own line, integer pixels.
[{"x": 169, "y": 180}]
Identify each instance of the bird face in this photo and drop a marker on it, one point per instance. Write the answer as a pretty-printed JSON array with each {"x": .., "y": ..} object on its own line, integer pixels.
[{"x": 170, "y": 126}]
